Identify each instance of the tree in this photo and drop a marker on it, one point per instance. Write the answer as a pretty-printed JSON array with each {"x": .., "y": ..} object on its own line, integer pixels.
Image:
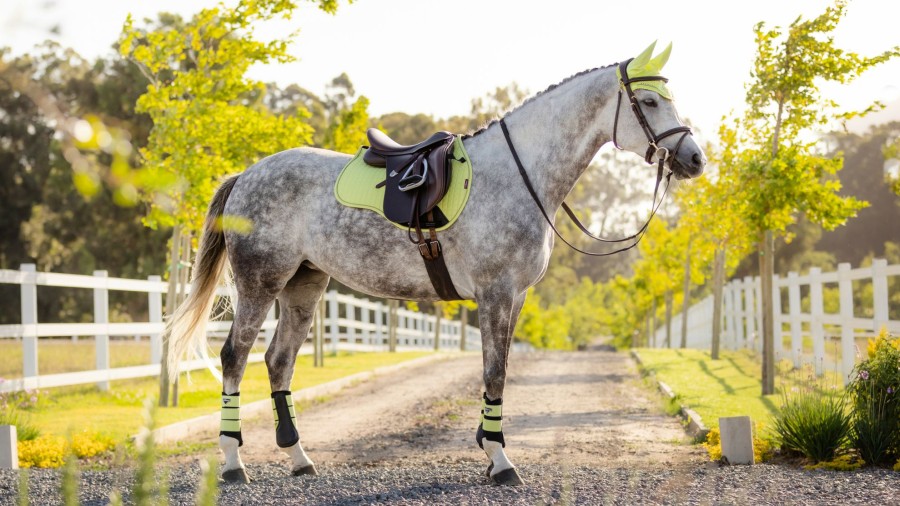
[
  {"x": 782, "y": 171},
  {"x": 208, "y": 117}
]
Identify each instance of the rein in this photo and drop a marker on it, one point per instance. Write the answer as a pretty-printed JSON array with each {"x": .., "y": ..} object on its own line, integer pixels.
[{"x": 653, "y": 149}]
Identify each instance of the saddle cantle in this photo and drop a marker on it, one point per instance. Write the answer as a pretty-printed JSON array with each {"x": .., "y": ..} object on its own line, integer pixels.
[{"x": 417, "y": 178}]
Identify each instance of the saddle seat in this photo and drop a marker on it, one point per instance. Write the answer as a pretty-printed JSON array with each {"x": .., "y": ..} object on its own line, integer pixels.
[{"x": 383, "y": 146}]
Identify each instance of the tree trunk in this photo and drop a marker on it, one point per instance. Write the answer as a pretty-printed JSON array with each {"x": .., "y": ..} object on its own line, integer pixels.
[
  {"x": 170, "y": 308},
  {"x": 718, "y": 289},
  {"x": 686, "y": 302},
  {"x": 464, "y": 320},
  {"x": 669, "y": 319},
  {"x": 184, "y": 277},
  {"x": 319, "y": 334},
  {"x": 651, "y": 338},
  {"x": 438, "y": 313},
  {"x": 766, "y": 274}
]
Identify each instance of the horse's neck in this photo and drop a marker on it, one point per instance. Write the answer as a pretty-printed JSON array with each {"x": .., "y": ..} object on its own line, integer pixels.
[{"x": 557, "y": 133}]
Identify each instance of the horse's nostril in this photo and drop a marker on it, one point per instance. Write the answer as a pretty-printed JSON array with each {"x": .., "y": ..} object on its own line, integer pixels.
[{"x": 697, "y": 159}]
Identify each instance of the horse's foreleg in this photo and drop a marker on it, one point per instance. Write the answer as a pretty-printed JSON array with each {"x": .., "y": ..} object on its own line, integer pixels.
[
  {"x": 298, "y": 303},
  {"x": 248, "y": 318},
  {"x": 498, "y": 314}
]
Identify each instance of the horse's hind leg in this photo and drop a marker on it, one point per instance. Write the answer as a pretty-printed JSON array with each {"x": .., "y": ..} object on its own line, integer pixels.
[
  {"x": 252, "y": 305},
  {"x": 297, "y": 303}
]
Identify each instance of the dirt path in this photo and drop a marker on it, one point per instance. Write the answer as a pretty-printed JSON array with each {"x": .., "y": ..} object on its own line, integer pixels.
[{"x": 577, "y": 409}]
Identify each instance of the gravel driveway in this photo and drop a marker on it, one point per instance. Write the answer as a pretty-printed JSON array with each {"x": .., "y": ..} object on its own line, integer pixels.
[{"x": 579, "y": 426}]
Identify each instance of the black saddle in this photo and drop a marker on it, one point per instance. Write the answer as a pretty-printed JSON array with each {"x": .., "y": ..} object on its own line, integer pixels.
[{"x": 418, "y": 176}]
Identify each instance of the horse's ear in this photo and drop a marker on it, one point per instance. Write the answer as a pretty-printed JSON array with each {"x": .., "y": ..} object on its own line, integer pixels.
[
  {"x": 656, "y": 64},
  {"x": 642, "y": 59}
]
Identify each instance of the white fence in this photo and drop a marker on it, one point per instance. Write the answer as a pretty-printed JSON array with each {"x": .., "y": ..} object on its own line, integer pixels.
[
  {"x": 351, "y": 324},
  {"x": 803, "y": 334}
]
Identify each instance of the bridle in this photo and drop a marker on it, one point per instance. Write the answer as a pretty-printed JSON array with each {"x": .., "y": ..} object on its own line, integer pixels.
[{"x": 662, "y": 155}]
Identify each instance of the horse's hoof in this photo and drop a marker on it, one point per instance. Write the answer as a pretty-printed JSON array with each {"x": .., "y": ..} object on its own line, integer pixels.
[
  {"x": 508, "y": 477},
  {"x": 489, "y": 469},
  {"x": 238, "y": 475},
  {"x": 309, "y": 470}
]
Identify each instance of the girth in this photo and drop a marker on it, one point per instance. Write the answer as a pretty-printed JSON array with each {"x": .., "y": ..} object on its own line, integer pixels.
[{"x": 417, "y": 179}]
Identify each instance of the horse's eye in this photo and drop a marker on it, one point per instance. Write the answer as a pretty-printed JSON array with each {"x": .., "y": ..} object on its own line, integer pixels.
[{"x": 649, "y": 102}]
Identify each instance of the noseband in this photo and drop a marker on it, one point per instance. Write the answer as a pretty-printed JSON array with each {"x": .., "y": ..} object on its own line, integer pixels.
[
  {"x": 652, "y": 138},
  {"x": 662, "y": 155}
]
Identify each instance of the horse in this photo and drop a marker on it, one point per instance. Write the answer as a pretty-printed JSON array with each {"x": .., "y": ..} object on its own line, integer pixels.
[{"x": 500, "y": 246}]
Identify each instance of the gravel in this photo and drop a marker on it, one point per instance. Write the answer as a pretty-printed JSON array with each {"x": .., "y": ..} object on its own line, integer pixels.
[{"x": 463, "y": 483}]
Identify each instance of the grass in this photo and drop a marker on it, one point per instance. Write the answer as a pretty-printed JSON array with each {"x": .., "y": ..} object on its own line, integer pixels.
[
  {"x": 62, "y": 355},
  {"x": 118, "y": 413},
  {"x": 730, "y": 386}
]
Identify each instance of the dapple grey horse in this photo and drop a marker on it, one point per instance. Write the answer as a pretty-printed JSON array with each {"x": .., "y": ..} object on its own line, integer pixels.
[{"x": 500, "y": 246}]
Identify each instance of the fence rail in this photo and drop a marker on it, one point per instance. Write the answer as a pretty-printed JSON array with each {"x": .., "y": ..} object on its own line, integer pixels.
[
  {"x": 805, "y": 332},
  {"x": 351, "y": 324}
]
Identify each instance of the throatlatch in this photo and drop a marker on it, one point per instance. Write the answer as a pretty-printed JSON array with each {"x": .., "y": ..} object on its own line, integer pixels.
[
  {"x": 286, "y": 434},
  {"x": 231, "y": 417},
  {"x": 491, "y": 426}
]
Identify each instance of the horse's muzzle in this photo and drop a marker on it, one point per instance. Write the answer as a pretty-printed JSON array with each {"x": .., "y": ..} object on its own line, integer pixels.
[{"x": 688, "y": 165}]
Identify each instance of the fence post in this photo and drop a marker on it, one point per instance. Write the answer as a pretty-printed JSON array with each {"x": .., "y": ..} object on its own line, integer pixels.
[
  {"x": 101, "y": 341},
  {"x": 28, "y": 291},
  {"x": 750, "y": 312},
  {"x": 848, "y": 351},
  {"x": 727, "y": 322},
  {"x": 879, "y": 294},
  {"x": 393, "y": 323},
  {"x": 154, "y": 301},
  {"x": 319, "y": 334},
  {"x": 270, "y": 333},
  {"x": 738, "y": 305},
  {"x": 379, "y": 324},
  {"x": 463, "y": 328},
  {"x": 333, "y": 320},
  {"x": 796, "y": 324},
  {"x": 777, "y": 318},
  {"x": 816, "y": 313}
]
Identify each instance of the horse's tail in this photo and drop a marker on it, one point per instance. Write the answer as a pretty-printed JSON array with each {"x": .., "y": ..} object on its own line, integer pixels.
[{"x": 186, "y": 329}]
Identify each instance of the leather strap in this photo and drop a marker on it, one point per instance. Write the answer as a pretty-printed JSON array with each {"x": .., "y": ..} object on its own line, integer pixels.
[
  {"x": 432, "y": 255},
  {"x": 637, "y": 237}
]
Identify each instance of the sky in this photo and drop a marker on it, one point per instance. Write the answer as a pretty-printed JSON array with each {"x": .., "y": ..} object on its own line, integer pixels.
[{"x": 382, "y": 44}]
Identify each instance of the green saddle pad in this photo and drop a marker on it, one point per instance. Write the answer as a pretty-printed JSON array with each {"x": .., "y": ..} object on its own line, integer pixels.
[{"x": 355, "y": 186}]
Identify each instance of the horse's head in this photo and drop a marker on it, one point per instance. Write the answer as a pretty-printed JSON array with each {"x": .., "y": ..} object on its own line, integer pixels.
[{"x": 646, "y": 121}]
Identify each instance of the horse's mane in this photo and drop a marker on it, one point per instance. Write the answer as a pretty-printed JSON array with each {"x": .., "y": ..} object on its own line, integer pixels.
[{"x": 536, "y": 96}]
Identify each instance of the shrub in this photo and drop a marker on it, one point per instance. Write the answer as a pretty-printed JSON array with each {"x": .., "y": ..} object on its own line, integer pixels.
[
  {"x": 813, "y": 423},
  {"x": 876, "y": 408},
  {"x": 45, "y": 451},
  {"x": 25, "y": 430},
  {"x": 50, "y": 450}
]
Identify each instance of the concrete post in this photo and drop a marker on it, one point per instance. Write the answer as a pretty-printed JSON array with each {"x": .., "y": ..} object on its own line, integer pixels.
[
  {"x": 736, "y": 434},
  {"x": 9, "y": 452},
  {"x": 101, "y": 341}
]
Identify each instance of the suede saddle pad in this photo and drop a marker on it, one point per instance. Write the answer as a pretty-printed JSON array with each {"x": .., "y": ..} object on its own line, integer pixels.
[{"x": 355, "y": 186}]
